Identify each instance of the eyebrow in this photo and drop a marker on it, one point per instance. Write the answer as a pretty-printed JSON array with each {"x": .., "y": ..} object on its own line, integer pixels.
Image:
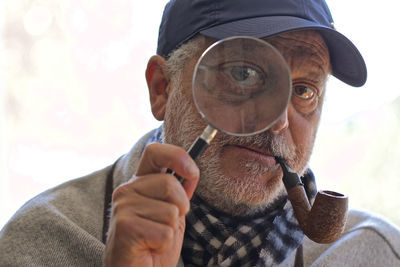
[
  {"x": 317, "y": 76},
  {"x": 315, "y": 64}
]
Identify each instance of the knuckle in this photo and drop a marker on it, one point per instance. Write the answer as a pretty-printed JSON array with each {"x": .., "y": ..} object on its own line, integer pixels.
[
  {"x": 166, "y": 235},
  {"x": 151, "y": 149},
  {"x": 186, "y": 206},
  {"x": 127, "y": 189},
  {"x": 116, "y": 208},
  {"x": 169, "y": 188},
  {"x": 172, "y": 214},
  {"x": 118, "y": 193},
  {"x": 121, "y": 191},
  {"x": 120, "y": 208}
]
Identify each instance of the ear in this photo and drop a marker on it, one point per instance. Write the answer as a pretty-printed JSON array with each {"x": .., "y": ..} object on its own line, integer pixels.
[{"x": 157, "y": 83}]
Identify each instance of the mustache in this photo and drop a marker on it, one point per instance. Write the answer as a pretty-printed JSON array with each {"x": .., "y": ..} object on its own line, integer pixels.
[{"x": 277, "y": 145}]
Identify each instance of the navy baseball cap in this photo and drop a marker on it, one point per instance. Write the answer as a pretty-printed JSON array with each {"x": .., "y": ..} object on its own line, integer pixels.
[{"x": 219, "y": 19}]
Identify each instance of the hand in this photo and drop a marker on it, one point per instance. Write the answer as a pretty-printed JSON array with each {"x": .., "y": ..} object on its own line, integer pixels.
[{"x": 147, "y": 222}]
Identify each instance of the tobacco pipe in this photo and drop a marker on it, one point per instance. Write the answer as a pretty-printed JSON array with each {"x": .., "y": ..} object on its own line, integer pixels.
[{"x": 324, "y": 221}]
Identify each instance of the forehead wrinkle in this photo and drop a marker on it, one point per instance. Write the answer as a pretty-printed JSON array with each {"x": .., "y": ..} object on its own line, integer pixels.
[
  {"x": 305, "y": 45},
  {"x": 305, "y": 54},
  {"x": 310, "y": 40}
]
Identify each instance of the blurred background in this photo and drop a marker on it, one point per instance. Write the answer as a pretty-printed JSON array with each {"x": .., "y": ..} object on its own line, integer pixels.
[{"x": 73, "y": 97}]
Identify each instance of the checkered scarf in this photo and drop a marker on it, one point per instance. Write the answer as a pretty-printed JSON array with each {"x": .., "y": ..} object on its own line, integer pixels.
[{"x": 213, "y": 238}]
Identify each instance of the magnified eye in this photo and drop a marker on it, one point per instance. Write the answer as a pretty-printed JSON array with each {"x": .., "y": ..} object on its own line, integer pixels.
[
  {"x": 303, "y": 92},
  {"x": 233, "y": 83},
  {"x": 244, "y": 75}
]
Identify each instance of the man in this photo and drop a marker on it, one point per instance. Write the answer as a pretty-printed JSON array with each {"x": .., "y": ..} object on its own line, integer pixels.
[{"x": 231, "y": 209}]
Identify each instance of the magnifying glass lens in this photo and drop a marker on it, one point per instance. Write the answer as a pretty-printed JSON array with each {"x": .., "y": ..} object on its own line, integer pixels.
[{"x": 241, "y": 85}]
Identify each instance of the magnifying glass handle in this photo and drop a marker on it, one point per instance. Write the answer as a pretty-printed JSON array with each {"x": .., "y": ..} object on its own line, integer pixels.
[
  {"x": 198, "y": 146},
  {"x": 202, "y": 142}
]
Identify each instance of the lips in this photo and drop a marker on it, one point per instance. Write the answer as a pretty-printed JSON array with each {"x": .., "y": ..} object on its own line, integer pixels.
[
  {"x": 265, "y": 157},
  {"x": 257, "y": 150}
]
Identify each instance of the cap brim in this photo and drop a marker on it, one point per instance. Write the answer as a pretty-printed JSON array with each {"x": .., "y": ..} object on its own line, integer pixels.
[{"x": 347, "y": 63}]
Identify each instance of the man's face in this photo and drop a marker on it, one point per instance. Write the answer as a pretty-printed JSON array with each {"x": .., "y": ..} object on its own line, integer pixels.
[{"x": 239, "y": 175}]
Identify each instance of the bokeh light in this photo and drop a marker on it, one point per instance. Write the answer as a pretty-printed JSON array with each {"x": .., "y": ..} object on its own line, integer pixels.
[{"x": 37, "y": 20}]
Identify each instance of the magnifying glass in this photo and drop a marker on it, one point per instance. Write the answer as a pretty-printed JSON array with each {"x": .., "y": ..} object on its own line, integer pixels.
[{"x": 241, "y": 86}]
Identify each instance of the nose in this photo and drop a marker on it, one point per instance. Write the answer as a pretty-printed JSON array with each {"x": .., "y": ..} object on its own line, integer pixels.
[{"x": 281, "y": 124}]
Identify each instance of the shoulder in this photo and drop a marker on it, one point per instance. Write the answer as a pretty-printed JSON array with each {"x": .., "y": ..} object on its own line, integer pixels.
[
  {"x": 368, "y": 240},
  {"x": 60, "y": 225}
]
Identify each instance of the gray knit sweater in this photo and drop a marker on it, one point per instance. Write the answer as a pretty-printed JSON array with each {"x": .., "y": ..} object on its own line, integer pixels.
[{"x": 63, "y": 227}]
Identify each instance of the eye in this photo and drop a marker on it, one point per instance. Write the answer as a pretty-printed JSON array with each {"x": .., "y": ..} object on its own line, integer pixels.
[
  {"x": 303, "y": 92},
  {"x": 233, "y": 83},
  {"x": 305, "y": 97},
  {"x": 244, "y": 75}
]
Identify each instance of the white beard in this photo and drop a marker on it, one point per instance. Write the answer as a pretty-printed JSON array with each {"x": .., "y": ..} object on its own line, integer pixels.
[{"x": 236, "y": 195}]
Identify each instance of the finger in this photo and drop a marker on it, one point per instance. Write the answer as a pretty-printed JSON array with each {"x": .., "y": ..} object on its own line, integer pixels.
[
  {"x": 161, "y": 186},
  {"x": 154, "y": 210},
  {"x": 190, "y": 186},
  {"x": 157, "y": 156},
  {"x": 143, "y": 234}
]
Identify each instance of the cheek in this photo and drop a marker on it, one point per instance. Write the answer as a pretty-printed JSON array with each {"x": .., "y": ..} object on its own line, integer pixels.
[
  {"x": 302, "y": 128},
  {"x": 182, "y": 123}
]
